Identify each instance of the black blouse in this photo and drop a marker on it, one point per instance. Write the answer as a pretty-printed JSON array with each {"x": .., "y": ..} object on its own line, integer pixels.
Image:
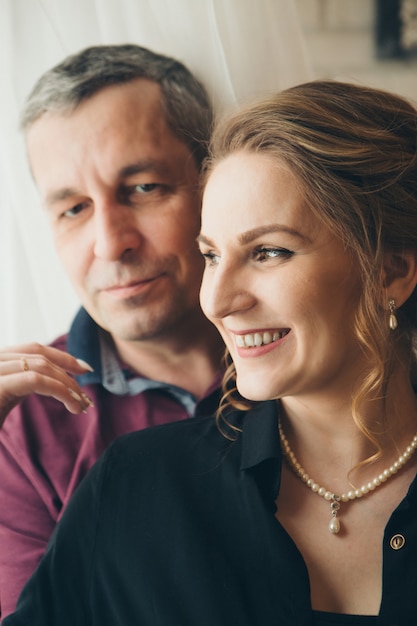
[
  {"x": 175, "y": 526},
  {"x": 321, "y": 618}
]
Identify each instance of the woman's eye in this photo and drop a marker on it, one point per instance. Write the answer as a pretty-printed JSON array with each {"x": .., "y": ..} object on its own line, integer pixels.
[
  {"x": 264, "y": 254},
  {"x": 211, "y": 259}
]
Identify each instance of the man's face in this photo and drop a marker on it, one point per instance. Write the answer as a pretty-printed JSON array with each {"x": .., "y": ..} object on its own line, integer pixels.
[{"x": 122, "y": 195}]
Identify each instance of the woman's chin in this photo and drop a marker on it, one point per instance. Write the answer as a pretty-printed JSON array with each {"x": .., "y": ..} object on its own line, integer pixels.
[{"x": 258, "y": 394}]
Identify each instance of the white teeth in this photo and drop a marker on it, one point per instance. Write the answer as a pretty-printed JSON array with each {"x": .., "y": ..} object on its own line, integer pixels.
[
  {"x": 258, "y": 339},
  {"x": 251, "y": 340}
]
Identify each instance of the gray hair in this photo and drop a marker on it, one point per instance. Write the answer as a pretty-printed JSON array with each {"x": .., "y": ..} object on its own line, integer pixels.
[{"x": 184, "y": 99}]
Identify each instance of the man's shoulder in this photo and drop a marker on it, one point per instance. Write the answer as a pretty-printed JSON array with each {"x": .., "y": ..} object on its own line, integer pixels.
[{"x": 61, "y": 342}]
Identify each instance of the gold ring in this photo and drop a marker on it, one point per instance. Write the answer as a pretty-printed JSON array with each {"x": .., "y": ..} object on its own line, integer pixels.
[{"x": 25, "y": 365}]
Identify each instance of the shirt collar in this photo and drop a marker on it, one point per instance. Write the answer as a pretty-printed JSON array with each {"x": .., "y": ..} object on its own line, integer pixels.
[
  {"x": 260, "y": 440},
  {"x": 87, "y": 341},
  {"x": 84, "y": 343},
  {"x": 261, "y": 450}
]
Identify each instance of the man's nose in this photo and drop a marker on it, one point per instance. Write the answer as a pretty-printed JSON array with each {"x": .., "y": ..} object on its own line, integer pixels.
[{"x": 116, "y": 231}]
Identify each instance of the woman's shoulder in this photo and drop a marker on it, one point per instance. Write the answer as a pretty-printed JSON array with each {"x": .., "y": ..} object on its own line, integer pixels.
[
  {"x": 174, "y": 444},
  {"x": 179, "y": 449}
]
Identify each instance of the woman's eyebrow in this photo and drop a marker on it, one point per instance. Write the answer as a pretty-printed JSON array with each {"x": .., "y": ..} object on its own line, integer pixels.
[
  {"x": 252, "y": 234},
  {"x": 202, "y": 239}
]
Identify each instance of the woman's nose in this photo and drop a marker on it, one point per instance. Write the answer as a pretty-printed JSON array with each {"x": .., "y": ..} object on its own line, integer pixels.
[{"x": 224, "y": 292}]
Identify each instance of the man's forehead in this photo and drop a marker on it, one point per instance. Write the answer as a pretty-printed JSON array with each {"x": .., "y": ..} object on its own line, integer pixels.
[
  {"x": 136, "y": 102},
  {"x": 57, "y": 190},
  {"x": 111, "y": 133},
  {"x": 132, "y": 104}
]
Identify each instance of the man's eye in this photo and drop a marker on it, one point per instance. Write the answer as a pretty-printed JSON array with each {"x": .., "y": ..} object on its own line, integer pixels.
[
  {"x": 135, "y": 193},
  {"x": 265, "y": 254},
  {"x": 74, "y": 211},
  {"x": 145, "y": 188}
]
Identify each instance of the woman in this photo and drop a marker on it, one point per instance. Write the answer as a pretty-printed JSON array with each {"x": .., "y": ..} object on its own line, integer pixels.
[{"x": 298, "y": 504}]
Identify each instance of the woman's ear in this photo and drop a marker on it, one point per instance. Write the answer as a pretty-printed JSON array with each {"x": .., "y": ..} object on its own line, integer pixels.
[{"x": 400, "y": 275}]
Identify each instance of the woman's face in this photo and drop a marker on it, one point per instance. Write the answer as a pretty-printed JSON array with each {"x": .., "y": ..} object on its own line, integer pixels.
[{"x": 278, "y": 284}]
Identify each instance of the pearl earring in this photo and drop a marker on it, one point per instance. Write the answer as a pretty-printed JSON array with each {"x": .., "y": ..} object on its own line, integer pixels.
[{"x": 393, "y": 322}]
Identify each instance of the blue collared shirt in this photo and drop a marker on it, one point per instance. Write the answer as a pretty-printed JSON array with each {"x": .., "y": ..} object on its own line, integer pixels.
[{"x": 87, "y": 341}]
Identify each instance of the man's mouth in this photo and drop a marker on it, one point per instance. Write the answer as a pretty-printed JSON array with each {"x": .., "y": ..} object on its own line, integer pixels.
[
  {"x": 131, "y": 288},
  {"x": 128, "y": 285}
]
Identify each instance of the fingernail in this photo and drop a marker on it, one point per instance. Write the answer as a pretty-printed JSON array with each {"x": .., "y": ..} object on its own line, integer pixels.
[
  {"x": 87, "y": 399},
  {"x": 74, "y": 395},
  {"x": 85, "y": 365}
]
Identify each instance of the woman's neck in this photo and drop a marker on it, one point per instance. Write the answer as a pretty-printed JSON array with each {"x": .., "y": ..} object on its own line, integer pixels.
[{"x": 312, "y": 427}]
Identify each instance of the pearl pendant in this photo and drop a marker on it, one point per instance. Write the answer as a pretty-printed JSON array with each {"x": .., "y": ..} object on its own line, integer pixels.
[
  {"x": 335, "y": 499},
  {"x": 393, "y": 323},
  {"x": 334, "y": 526}
]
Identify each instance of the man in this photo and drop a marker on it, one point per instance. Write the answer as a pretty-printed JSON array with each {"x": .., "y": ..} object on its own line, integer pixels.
[{"x": 116, "y": 136}]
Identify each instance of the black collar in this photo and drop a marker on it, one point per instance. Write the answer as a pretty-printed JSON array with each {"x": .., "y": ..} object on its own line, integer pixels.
[{"x": 261, "y": 450}]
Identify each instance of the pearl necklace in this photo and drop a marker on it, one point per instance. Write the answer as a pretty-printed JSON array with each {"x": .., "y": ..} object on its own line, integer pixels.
[{"x": 333, "y": 498}]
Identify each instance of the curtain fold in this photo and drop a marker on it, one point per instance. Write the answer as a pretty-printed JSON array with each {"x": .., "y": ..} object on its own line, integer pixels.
[{"x": 239, "y": 48}]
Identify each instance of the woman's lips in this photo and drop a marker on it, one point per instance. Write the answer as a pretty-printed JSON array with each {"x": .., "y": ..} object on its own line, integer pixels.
[
  {"x": 259, "y": 338},
  {"x": 257, "y": 343}
]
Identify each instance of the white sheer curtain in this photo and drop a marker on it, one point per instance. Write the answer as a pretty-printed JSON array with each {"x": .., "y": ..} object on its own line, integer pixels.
[{"x": 238, "y": 48}]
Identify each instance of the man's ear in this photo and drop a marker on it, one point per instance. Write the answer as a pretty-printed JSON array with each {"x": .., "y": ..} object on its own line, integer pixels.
[{"x": 400, "y": 275}]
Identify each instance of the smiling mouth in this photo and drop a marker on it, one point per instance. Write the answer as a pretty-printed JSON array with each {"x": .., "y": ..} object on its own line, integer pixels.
[
  {"x": 135, "y": 283},
  {"x": 255, "y": 340},
  {"x": 129, "y": 290},
  {"x": 131, "y": 285}
]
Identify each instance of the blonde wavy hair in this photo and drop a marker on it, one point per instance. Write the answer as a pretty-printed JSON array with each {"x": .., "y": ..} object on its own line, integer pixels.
[{"x": 353, "y": 150}]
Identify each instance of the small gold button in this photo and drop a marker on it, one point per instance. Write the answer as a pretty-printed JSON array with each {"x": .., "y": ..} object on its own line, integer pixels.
[{"x": 397, "y": 542}]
